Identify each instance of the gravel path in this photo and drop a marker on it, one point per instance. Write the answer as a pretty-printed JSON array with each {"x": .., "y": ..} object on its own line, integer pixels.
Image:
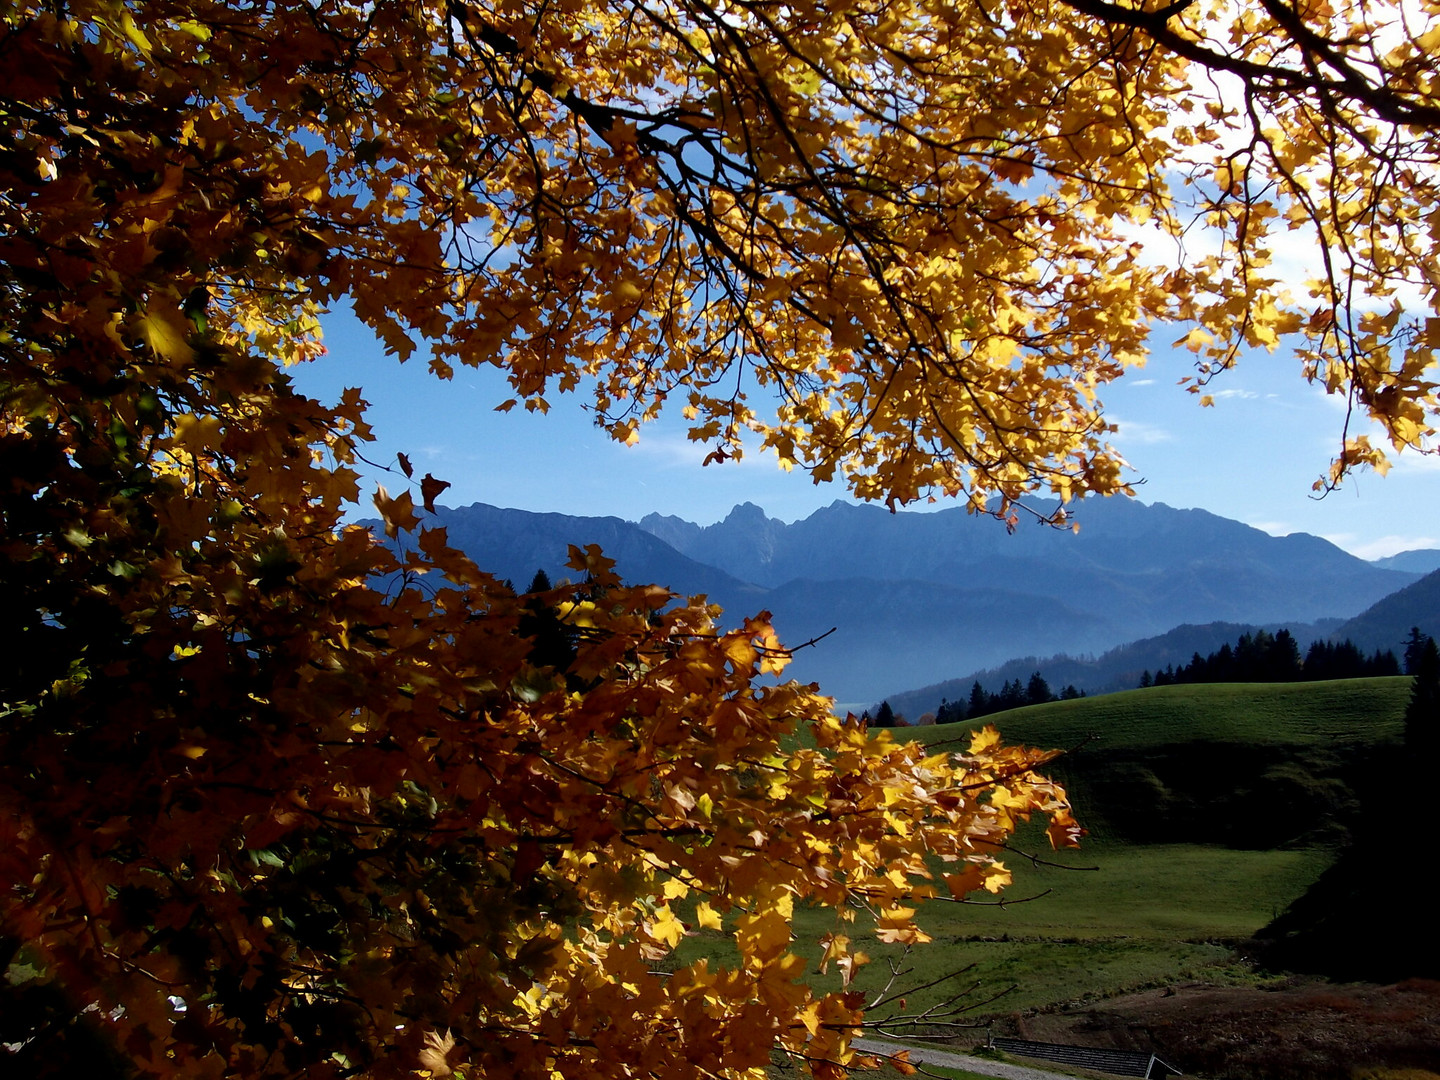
[{"x": 950, "y": 1059}]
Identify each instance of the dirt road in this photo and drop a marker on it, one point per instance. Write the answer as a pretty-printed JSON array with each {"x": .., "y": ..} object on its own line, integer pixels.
[{"x": 952, "y": 1060}]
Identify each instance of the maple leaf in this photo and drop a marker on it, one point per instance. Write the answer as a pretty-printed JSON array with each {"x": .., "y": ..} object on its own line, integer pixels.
[
  {"x": 398, "y": 514},
  {"x": 435, "y": 1052},
  {"x": 430, "y": 490},
  {"x": 164, "y": 328}
]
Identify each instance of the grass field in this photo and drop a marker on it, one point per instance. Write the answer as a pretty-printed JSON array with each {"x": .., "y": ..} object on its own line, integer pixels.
[
  {"x": 1260, "y": 765},
  {"x": 1254, "y": 765},
  {"x": 1144, "y": 916},
  {"x": 1343, "y": 712}
]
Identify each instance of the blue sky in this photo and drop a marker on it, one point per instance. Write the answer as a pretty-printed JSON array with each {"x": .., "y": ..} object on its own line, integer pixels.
[{"x": 1252, "y": 457}]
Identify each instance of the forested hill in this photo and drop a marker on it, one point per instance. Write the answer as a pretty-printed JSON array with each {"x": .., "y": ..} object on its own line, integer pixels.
[{"x": 1385, "y": 626}]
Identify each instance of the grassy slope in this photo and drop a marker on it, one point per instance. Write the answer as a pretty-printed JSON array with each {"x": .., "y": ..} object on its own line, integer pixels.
[
  {"x": 1239, "y": 757},
  {"x": 1345, "y": 711},
  {"x": 1244, "y": 765}
]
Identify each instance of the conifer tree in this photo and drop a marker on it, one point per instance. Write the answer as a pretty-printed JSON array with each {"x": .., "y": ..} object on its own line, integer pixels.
[
  {"x": 1037, "y": 690},
  {"x": 1422, "y": 713},
  {"x": 1414, "y": 648}
]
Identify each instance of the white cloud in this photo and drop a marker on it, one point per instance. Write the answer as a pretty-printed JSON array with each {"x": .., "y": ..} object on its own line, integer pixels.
[
  {"x": 1411, "y": 462},
  {"x": 1382, "y": 546},
  {"x": 1138, "y": 432},
  {"x": 672, "y": 450},
  {"x": 1274, "y": 528},
  {"x": 669, "y": 450}
]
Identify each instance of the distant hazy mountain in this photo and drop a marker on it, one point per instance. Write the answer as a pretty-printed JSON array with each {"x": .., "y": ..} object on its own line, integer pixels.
[
  {"x": 901, "y": 633},
  {"x": 1132, "y": 571},
  {"x": 919, "y": 597},
  {"x": 514, "y": 544},
  {"x": 1150, "y": 567},
  {"x": 1384, "y": 625},
  {"x": 1417, "y": 561}
]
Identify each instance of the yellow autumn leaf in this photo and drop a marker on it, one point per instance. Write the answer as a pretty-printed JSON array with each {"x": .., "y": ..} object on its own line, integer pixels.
[
  {"x": 997, "y": 877},
  {"x": 740, "y": 652},
  {"x": 134, "y": 34},
  {"x": 762, "y": 936},
  {"x": 987, "y": 738},
  {"x": 165, "y": 330},
  {"x": 665, "y": 927},
  {"x": 966, "y": 881},
  {"x": 398, "y": 514},
  {"x": 706, "y": 916},
  {"x": 198, "y": 434}
]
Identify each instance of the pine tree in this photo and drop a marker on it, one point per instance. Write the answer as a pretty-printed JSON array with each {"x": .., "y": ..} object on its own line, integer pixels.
[
  {"x": 1414, "y": 648},
  {"x": 1422, "y": 714},
  {"x": 979, "y": 700},
  {"x": 1283, "y": 662},
  {"x": 541, "y": 622},
  {"x": 1037, "y": 691}
]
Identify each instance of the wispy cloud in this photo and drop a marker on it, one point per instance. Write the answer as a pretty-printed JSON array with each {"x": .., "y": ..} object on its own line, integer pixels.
[
  {"x": 669, "y": 450},
  {"x": 1274, "y": 528},
  {"x": 1383, "y": 546},
  {"x": 1138, "y": 432},
  {"x": 674, "y": 451},
  {"x": 1411, "y": 462}
]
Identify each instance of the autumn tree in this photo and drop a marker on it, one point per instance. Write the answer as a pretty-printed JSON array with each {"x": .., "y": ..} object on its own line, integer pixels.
[{"x": 278, "y": 798}]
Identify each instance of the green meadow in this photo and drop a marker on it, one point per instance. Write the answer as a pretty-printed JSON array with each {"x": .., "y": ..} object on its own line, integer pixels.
[
  {"x": 1349, "y": 711},
  {"x": 1211, "y": 808}
]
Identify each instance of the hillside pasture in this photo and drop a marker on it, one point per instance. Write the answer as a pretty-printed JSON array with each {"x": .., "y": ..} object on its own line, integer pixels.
[
  {"x": 1248, "y": 765},
  {"x": 1211, "y": 808},
  {"x": 1143, "y": 916}
]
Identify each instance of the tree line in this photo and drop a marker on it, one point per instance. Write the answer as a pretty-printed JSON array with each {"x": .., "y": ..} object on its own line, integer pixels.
[
  {"x": 1257, "y": 656},
  {"x": 981, "y": 702},
  {"x": 1264, "y": 657}
]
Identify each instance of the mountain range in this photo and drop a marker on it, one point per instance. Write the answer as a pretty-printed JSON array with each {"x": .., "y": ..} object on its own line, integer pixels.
[{"x": 916, "y": 598}]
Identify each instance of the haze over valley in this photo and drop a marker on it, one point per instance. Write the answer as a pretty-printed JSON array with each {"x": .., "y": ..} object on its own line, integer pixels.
[{"x": 918, "y": 598}]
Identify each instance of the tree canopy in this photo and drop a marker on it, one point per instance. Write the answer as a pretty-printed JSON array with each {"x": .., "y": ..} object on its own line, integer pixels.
[{"x": 280, "y": 797}]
